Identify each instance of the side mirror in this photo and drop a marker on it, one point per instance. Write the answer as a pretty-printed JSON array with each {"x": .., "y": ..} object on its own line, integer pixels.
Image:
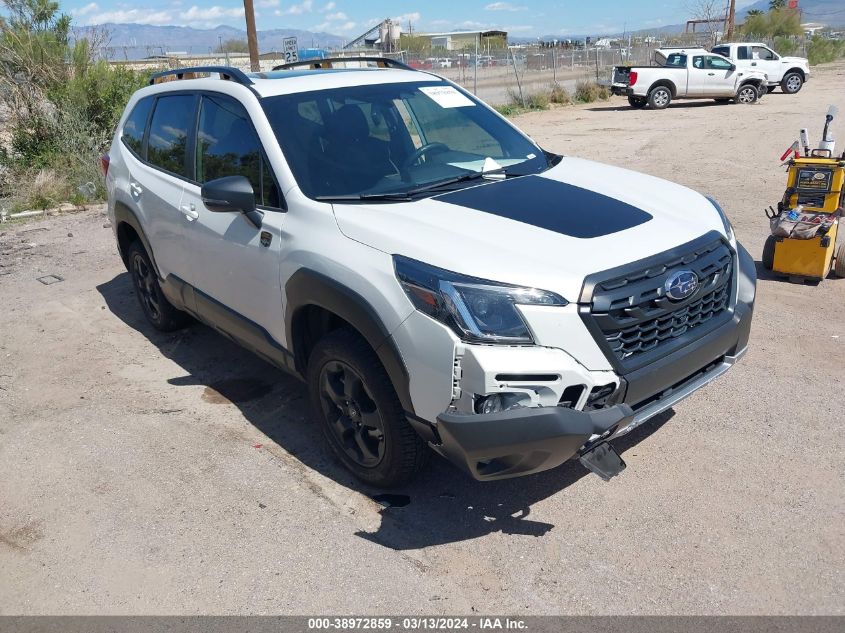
[
  {"x": 231, "y": 194},
  {"x": 733, "y": 67}
]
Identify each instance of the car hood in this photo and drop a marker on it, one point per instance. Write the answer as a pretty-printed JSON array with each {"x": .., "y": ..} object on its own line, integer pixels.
[{"x": 545, "y": 231}]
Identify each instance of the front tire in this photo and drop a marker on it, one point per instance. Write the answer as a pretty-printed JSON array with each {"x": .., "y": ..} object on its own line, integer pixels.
[
  {"x": 747, "y": 94},
  {"x": 359, "y": 412},
  {"x": 792, "y": 83},
  {"x": 659, "y": 97},
  {"x": 839, "y": 264},
  {"x": 161, "y": 314},
  {"x": 768, "y": 259}
]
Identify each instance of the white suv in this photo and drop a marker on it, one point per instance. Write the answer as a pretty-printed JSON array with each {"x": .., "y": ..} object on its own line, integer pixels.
[
  {"x": 436, "y": 278},
  {"x": 790, "y": 73}
]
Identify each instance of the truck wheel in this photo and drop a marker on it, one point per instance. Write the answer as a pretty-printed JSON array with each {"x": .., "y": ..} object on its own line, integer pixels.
[
  {"x": 359, "y": 413},
  {"x": 769, "y": 252},
  {"x": 161, "y": 314},
  {"x": 747, "y": 94},
  {"x": 839, "y": 265},
  {"x": 638, "y": 102},
  {"x": 791, "y": 83},
  {"x": 659, "y": 97}
]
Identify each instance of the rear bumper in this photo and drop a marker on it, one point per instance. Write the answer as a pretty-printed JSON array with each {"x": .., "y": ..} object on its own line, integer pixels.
[
  {"x": 622, "y": 91},
  {"x": 522, "y": 441}
]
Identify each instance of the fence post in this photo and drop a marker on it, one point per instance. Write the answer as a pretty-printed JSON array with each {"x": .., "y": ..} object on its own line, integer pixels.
[{"x": 516, "y": 74}]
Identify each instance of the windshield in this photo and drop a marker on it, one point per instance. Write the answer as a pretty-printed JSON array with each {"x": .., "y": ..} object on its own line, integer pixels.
[{"x": 394, "y": 138}]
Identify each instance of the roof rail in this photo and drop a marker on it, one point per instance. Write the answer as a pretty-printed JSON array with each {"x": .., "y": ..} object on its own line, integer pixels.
[
  {"x": 225, "y": 72},
  {"x": 317, "y": 64}
]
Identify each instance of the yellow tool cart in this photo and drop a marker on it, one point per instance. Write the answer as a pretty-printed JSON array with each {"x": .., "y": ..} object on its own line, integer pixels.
[{"x": 803, "y": 245}]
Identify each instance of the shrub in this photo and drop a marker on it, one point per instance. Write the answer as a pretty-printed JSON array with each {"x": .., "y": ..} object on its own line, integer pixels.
[
  {"x": 560, "y": 95},
  {"x": 786, "y": 45},
  {"x": 821, "y": 50},
  {"x": 537, "y": 101},
  {"x": 62, "y": 106},
  {"x": 588, "y": 91}
]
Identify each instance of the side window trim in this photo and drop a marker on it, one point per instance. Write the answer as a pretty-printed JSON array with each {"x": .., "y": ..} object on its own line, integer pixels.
[{"x": 262, "y": 159}]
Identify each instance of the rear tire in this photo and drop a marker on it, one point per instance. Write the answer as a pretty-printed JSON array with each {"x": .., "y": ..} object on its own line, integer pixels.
[
  {"x": 769, "y": 253},
  {"x": 746, "y": 94},
  {"x": 792, "y": 83},
  {"x": 359, "y": 412},
  {"x": 659, "y": 97},
  {"x": 839, "y": 264},
  {"x": 161, "y": 314},
  {"x": 638, "y": 102}
]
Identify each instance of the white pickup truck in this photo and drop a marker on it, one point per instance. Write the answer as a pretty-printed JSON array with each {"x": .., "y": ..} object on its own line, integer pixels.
[
  {"x": 789, "y": 73},
  {"x": 686, "y": 73}
]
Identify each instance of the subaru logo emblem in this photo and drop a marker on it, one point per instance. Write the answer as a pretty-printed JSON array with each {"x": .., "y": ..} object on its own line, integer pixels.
[{"x": 681, "y": 284}]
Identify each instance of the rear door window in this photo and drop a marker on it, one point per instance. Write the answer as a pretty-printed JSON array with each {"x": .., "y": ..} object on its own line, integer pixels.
[
  {"x": 136, "y": 123},
  {"x": 168, "y": 139}
]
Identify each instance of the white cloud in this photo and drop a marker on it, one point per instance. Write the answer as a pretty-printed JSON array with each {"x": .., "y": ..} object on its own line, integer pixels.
[
  {"x": 211, "y": 13},
  {"x": 88, "y": 8},
  {"x": 340, "y": 16},
  {"x": 266, "y": 3},
  {"x": 329, "y": 7},
  {"x": 413, "y": 17},
  {"x": 503, "y": 6},
  {"x": 346, "y": 26},
  {"x": 306, "y": 6},
  {"x": 132, "y": 16}
]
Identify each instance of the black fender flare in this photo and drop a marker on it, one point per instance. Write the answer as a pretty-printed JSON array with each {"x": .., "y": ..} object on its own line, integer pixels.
[
  {"x": 310, "y": 288},
  {"x": 125, "y": 215}
]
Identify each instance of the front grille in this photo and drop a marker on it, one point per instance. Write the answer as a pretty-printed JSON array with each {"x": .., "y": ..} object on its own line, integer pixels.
[{"x": 636, "y": 322}]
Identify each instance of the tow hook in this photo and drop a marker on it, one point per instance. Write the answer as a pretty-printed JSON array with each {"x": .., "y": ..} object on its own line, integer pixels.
[{"x": 603, "y": 460}]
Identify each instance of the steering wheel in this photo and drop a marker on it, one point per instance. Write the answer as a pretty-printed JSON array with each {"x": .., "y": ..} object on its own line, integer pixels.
[{"x": 422, "y": 151}]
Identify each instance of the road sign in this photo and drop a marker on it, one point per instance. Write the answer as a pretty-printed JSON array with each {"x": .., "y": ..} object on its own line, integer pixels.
[{"x": 290, "y": 49}]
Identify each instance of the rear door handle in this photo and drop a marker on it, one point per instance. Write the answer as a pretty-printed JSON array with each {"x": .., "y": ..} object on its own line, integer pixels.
[
  {"x": 190, "y": 211},
  {"x": 135, "y": 188}
]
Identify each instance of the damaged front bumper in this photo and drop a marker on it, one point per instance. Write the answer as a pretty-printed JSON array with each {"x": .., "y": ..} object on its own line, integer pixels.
[{"x": 523, "y": 441}]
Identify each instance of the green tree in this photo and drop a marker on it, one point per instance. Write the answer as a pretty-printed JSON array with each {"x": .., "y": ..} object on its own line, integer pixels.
[{"x": 775, "y": 5}]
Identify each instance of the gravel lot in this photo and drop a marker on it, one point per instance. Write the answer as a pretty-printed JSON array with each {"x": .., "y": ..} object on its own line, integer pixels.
[{"x": 143, "y": 473}]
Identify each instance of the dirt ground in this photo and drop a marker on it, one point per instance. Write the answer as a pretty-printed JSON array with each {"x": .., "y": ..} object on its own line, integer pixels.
[{"x": 143, "y": 473}]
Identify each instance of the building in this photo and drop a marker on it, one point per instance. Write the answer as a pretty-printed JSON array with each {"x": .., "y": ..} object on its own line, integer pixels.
[{"x": 461, "y": 40}]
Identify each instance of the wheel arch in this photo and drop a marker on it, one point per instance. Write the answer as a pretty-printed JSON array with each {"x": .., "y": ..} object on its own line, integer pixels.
[
  {"x": 128, "y": 229},
  {"x": 795, "y": 69},
  {"x": 667, "y": 83},
  {"x": 318, "y": 304}
]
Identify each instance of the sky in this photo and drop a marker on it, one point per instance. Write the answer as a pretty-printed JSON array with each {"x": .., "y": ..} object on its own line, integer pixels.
[{"x": 521, "y": 18}]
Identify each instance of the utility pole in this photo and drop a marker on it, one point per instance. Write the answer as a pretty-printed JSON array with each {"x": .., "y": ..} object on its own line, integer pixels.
[
  {"x": 729, "y": 30},
  {"x": 251, "y": 36}
]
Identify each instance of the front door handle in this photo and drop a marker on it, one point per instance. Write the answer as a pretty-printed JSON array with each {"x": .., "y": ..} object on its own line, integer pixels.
[
  {"x": 753, "y": 63},
  {"x": 190, "y": 211},
  {"x": 711, "y": 74}
]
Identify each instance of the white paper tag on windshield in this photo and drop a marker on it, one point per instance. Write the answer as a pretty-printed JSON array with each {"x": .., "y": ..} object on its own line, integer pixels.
[{"x": 446, "y": 96}]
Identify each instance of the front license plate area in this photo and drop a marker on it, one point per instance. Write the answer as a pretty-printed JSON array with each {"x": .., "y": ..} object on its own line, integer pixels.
[{"x": 603, "y": 460}]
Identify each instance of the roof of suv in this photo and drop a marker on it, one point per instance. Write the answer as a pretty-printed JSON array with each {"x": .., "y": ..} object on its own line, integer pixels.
[{"x": 295, "y": 78}]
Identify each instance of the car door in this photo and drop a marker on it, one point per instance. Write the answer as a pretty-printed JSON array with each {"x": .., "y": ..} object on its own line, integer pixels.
[
  {"x": 235, "y": 263},
  {"x": 156, "y": 182},
  {"x": 697, "y": 83},
  {"x": 721, "y": 76},
  {"x": 766, "y": 60}
]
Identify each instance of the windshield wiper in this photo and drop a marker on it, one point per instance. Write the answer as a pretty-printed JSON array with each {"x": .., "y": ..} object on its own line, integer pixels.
[
  {"x": 390, "y": 195},
  {"x": 475, "y": 175}
]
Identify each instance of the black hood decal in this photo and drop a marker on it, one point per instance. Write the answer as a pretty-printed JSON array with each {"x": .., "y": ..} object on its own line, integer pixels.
[{"x": 551, "y": 205}]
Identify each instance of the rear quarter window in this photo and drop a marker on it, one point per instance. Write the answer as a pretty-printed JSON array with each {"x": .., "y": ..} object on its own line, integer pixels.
[{"x": 136, "y": 123}]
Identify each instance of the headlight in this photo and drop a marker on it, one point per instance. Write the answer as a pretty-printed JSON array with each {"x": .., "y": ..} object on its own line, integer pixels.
[
  {"x": 729, "y": 230},
  {"x": 477, "y": 310}
]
